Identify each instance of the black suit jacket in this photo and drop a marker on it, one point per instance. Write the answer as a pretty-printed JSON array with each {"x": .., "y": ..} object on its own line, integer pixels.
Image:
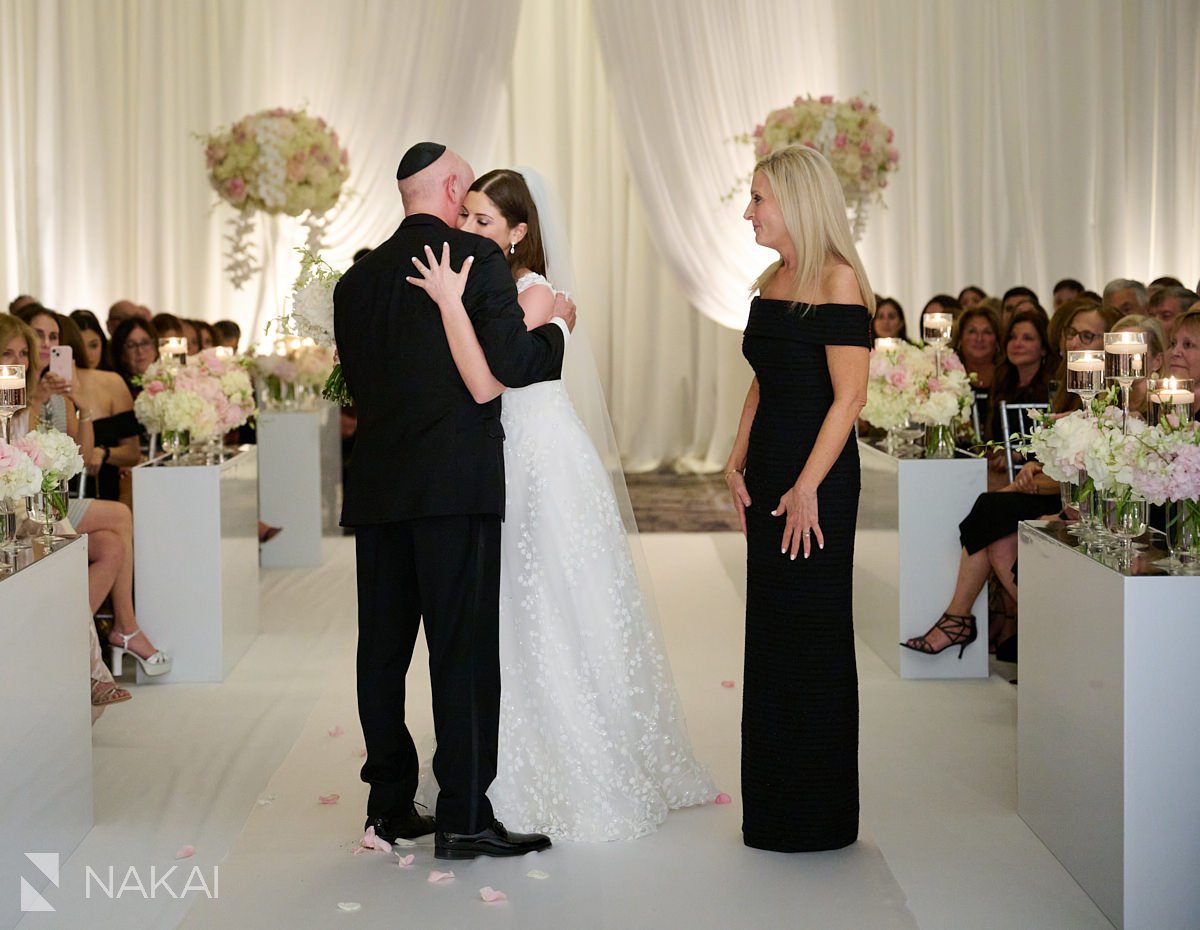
[{"x": 424, "y": 448}]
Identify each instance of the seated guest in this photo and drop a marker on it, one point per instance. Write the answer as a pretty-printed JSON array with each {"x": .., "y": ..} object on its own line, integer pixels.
[
  {"x": 229, "y": 334},
  {"x": 108, "y": 524},
  {"x": 1065, "y": 290},
  {"x": 971, "y": 296},
  {"x": 115, "y": 429},
  {"x": 1022, "y": 377},
  {"x": 118, "y": 313},
  {"x": 192, "y": 334},
  {"x": 888, "y": 320},
  {"x": 1126, "y": 296},
  {"x": 1168, "y": 303},
  {"x": 95, "y": 340},
  {"x": 21, "y": 300},
  {"x": 1081, "y": 324},
  {"x": 168, "y": 325},
  {"x": 206, "y": 334},
  {"x": 1014, "y": 299},
  {"x": 1183, "y": 360},
  {"x": 938, "y": 303},
  {"x": 1159, "y": 283},
  {"x": 976, "y": 341},
  {"x": 134, "y": 349}
]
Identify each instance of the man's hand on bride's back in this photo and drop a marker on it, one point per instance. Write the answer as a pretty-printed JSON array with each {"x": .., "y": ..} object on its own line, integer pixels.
[
  {"x": 442, "y": 283},
  {"x": 564, "y": 307}
]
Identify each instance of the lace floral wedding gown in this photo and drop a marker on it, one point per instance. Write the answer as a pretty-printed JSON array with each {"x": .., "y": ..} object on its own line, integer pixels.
[{"x": 593, "y": 745}]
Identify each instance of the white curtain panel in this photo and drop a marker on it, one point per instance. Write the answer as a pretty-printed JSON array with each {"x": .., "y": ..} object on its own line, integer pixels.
[
  {"x": 103, "y": 193},
  {"x": 1039, "y": 139},
  {"x": 674, "y": 378}
]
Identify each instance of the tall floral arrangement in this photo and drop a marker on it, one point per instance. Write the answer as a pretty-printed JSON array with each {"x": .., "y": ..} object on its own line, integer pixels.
[
  {"x": 275, "y": 161},
  {"x": 850, "y": 133}
]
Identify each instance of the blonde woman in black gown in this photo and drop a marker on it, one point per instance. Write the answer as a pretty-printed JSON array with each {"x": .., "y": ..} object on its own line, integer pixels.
[{"x": 794, "y": 478}]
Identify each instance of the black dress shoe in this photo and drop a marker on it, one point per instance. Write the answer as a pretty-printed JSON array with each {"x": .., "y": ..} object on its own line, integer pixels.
[
  {"x": 494, "y": 841},
  {"x": 405, "y": 826}
]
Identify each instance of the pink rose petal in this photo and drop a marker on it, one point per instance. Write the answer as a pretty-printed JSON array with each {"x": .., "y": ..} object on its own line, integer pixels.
[
  {"x": 727, "y": 684},
  {"x": 337, "y": 731},
  {"x": 407, "y": 861},
  {"x": 723, "y": 798},
  {"x": 491, "y": 895},
  {"x": 371, "y": 841},
  {"x": 329, "y": 798},
  {"x": 435, "y": 876},
  {"x": 186, "y": 852}
]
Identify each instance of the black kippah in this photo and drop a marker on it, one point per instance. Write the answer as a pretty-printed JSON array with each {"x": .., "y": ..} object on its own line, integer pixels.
[{"x": 419, "y": 157}]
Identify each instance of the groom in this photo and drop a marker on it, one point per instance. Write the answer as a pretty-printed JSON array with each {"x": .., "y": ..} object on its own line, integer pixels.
[{"x": 425, "y": 493}]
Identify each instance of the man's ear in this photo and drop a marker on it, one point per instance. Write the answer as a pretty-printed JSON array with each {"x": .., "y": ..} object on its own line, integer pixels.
[{"x": 452, "y": 184}]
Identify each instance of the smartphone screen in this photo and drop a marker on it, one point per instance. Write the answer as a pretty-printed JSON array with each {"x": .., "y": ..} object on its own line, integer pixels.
[{"x": 62, "y": 362}]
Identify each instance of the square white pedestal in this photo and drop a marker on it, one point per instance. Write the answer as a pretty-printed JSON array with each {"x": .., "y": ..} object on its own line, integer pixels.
[
  {"x": 46, "y": 723},
  {"x": 906, "y": 558},
  {"x": 289, "y": 487},
  {"x": 331, "y": 470},
  {"x": 195, "y": 531},
  {"x": 1108, "y": 729}
]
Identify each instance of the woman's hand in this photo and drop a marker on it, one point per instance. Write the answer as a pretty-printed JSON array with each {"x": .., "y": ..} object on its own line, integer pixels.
[
  {"x": 441, "y": 282},
  {"x": 95, "y": 460},
  {"x": 799, "y": 505},
  {"x": 736, "y": 482},
  {"x": 1026, "y": 479}
]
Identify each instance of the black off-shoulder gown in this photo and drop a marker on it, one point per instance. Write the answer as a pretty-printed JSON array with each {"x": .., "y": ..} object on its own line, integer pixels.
[{"x": 800, "y": 710}]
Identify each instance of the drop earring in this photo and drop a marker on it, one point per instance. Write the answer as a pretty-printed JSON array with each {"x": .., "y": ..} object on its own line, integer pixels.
[{"x": 512, "y": 248}]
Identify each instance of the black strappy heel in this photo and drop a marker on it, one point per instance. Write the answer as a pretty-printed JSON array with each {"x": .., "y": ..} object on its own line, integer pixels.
[{"x": 961, "y": 631}]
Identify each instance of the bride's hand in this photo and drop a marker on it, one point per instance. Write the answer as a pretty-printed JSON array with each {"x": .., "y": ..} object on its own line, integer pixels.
[
  {"x": 442, "y": 283},
  {"x": 736, "y": 482},
  {"x": 800, "y": 506}
]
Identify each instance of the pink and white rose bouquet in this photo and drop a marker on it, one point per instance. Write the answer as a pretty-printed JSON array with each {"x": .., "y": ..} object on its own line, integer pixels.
[
  {"x": 850, "y": 133},
  {"x": 19, "y": 476}
]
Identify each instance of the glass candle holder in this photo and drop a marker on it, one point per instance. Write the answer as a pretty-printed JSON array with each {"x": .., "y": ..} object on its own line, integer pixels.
[
  {"x": 887, "y": 343},
  {"x": 1085, "y": 375},
  {"x": 935, "y": 329},
  {"x": 1171, "y": 397},
  {"x": 173, "y": 350},
  {"x": 12, "y": 395}
]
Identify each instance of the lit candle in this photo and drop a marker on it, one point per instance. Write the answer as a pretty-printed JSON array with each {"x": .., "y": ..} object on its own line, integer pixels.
[
  {"x": 308, "y": 342},
  {"x": 1172, "y": 391},
  {"x": 173, "y": 346},
  {"x": 1093, "y": 362},
  {"x": 884, "y": 343},
  {"x": 223, "y": 352},
  {"x": 1125, "y": 343},
  {"x": 12, "y": 377}
]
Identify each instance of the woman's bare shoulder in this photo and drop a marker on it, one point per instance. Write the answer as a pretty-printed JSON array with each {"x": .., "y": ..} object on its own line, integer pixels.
[{"x": 839, "y": 285}]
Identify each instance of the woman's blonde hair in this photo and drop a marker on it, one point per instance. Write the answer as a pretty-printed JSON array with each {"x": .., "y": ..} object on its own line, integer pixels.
[
  {"x": 814, "y": 212},
  {"x": 10, "y": 328}
]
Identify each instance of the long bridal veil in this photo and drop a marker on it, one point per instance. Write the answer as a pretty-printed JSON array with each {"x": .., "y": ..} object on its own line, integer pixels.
[{"x": 581, "y": 376}]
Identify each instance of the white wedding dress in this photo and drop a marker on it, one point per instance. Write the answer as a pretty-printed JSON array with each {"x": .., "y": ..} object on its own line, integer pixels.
[{"x": 593, "y": 745}]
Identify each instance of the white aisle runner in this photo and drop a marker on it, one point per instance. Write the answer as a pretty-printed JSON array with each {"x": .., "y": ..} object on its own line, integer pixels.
[{"x": 237, "y": 769}]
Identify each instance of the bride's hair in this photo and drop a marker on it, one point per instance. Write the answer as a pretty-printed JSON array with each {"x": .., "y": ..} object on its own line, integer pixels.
[
  {"x": 814, "y": 212},
  {"x": 509, "y": 192}
]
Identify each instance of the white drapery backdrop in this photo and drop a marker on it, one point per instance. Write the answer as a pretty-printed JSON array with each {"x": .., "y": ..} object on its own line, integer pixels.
[
  {"x": 1039, "y": 139},
  {"x": 102, "y": 185}
]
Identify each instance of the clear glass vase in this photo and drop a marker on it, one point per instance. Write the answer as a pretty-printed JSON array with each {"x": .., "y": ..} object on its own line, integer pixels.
[
  {"x": 1125, "y": 516},
  {"x": 1183, "y": 534},
  {"x": 10, "y": 517},
  {"x": 175, "y": 443},
  {"x": 939, "y": 442},
  {"x": 47, "y": 507}
]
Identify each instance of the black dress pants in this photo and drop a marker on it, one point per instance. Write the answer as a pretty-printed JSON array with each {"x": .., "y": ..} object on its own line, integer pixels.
[{"x": 447, "y": 570}]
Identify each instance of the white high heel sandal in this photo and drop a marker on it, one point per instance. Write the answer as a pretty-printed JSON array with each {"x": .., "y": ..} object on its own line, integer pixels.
[{"x": 157, "y": 664}]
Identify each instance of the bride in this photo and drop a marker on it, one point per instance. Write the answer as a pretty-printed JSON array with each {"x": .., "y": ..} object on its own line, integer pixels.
[{"x": 593, "y": 744}]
